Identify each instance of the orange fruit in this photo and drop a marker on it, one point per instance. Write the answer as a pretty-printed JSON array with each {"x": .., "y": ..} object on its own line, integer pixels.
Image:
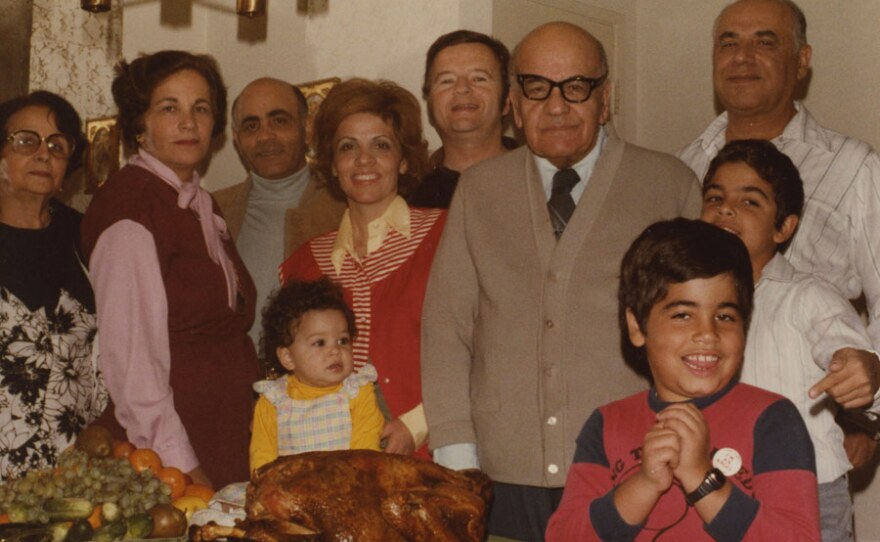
[
  {"x": 122, "y": 449},
  {"x": 189, "y": 504},
  {"x": 145, "y": 458},
  {"x": 199, "y": 490},
  {"x": 175, "y": 479},
  {"x": 95, "y": 519}
]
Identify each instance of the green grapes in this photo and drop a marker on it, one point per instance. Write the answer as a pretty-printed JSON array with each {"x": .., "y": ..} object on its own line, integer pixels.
[{"x": 107, "y": 480}]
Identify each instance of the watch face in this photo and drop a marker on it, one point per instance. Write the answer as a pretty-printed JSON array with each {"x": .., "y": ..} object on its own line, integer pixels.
[{"x": 714, "y": 479}]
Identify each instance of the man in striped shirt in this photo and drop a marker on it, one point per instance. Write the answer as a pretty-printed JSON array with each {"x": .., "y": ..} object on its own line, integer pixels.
[{"x": 760, "y": 55}]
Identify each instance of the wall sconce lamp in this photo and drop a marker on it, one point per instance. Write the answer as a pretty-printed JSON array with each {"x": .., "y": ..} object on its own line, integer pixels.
[
  {"x": 245, "y": 8},
  {"x": 95, "y": 6},
  {"x": 251, "y": 8}
]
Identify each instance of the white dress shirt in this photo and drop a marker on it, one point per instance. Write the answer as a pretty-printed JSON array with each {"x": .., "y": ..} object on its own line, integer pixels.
[
  {"x": 799, "y": 321},
  {"x": 839, "y": 233}
]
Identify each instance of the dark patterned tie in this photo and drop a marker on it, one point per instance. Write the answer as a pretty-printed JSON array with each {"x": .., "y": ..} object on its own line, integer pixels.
[{"x": 561, "y": 204}]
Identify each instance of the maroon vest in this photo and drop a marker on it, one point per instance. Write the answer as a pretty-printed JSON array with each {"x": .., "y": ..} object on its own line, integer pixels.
[{"x": 213, "y": 361}]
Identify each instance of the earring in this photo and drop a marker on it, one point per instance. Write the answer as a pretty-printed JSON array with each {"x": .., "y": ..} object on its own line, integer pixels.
[{"x": 140, "y": 139}]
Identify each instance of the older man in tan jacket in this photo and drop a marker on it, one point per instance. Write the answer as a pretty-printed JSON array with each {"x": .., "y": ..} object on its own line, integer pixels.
[{"x": 520, "y": 339}]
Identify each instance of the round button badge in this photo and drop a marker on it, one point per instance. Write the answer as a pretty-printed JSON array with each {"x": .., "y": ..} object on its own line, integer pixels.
[{"x": 728, "y": 461}]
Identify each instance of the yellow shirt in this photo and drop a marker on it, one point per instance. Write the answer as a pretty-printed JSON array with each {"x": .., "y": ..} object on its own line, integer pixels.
[{"x": 366, "y": 420}]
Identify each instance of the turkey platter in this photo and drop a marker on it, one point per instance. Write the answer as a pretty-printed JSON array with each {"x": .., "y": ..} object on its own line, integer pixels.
[{"x": 360, "y": 495}]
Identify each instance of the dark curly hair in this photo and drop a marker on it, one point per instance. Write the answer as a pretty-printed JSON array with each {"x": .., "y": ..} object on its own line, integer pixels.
[
  {"x": 392, "y": 103},
  {"x": 673, "y": 252},
  {"x": 285, "y": 309},
  {"x": 65, "y": 117},
  {"x": 135, "y": 82}
]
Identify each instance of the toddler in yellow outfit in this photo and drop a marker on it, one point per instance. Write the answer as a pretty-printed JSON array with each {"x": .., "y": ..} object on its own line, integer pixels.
[{"x": 321, "y": 403}]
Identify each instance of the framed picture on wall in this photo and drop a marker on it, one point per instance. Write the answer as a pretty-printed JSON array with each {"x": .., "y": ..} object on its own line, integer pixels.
[
  {"x": 315, "y": 92},
  {"x": 102, "y": 157}
]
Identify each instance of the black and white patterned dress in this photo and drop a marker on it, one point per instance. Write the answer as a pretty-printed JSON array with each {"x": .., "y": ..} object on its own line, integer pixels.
[{"x": 50, "y": 385}]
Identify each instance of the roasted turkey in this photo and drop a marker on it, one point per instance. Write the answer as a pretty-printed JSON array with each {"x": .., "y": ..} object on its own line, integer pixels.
[{"x": 360, "y": 495}]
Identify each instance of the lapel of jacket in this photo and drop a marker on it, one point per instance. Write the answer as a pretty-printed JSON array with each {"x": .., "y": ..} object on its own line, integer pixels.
[
  {"x": 542, "y": 230},
  {"x": 237, "y": 207},
  {"x": 316, "y": 213}
]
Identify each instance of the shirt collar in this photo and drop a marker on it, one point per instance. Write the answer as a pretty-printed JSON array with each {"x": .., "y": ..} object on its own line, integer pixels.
[
  {"x": 584, "y": 168},
  {"x": 395, "y": 217},
  {"x": 801, "y": 127},
  {"x": 305, "y": 391},
  {"x": 701, "y": 403},
  {"x": 778, "y": 269},
  {"x": 282, "y": 185}
]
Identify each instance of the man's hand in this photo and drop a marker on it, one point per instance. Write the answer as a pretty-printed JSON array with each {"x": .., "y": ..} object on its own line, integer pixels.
[
  {"x": 860, "y": 448},
  {"x": 852, "y": 380},
  {"x": 399, "y": 439}
]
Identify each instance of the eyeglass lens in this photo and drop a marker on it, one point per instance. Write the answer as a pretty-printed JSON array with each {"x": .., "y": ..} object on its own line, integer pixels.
[
  {"x": 28, "y": 142},
  {"x": 575, "y": 89}
]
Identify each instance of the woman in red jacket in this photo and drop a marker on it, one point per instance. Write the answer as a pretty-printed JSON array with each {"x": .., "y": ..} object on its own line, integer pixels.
[{"x": 371, "y": 153}]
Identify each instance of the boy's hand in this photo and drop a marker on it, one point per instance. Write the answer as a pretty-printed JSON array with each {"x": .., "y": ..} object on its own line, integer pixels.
[
  {"x": 852, "y": 380},
  {"x": 692, "y": 433},
  {"x": 659, "y": 457}
]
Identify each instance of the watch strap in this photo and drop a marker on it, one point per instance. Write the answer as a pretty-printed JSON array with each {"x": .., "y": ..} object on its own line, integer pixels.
[{"x": 713, "y": 480}]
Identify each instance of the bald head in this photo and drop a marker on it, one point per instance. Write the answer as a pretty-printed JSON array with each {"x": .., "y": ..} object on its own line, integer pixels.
[
  {"x": 560, "y": 55},
  {"x": 797, "y": 19},
  {"x": 560, "y": 34},
  {"x": 268, "y": 128},
  {"x": 263, "y": 84}
]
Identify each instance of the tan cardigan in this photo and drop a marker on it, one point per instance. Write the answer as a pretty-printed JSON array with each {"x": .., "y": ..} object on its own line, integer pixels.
[
  {"x": 520, "y": 341},
  {"x": 318, "y": 212}
]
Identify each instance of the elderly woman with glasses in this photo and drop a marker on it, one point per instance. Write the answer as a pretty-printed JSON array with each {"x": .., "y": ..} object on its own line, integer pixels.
[
  {"x": 174, "y": 299},
  {"x": 50, "y": 387}
]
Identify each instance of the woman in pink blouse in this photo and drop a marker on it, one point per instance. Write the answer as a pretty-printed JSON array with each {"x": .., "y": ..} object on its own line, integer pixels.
[{"x": 174, "y": 300}]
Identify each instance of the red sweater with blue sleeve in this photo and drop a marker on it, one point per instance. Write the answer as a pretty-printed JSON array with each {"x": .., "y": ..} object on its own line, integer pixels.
[{"x": 774, "y": 494}]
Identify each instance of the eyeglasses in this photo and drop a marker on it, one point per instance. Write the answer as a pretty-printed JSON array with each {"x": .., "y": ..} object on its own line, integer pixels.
[
  {"x": 575, "y": 89},
  {"x": 28, "y": 142}
]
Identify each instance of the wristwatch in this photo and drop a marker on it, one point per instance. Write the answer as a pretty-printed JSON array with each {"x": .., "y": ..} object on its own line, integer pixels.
[{"x": 714, "y": 480}]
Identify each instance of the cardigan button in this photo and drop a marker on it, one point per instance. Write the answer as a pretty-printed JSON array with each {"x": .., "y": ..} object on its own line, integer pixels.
[
  {"x": 387, "y": 380},
  {"x": 551, "y": 420},
  {"x": 549, "y": 324},
  {"x": 552, "y": 468}
]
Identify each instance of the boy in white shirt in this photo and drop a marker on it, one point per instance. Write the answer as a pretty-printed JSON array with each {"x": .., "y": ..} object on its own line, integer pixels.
[{"x": 806, "y": 341}]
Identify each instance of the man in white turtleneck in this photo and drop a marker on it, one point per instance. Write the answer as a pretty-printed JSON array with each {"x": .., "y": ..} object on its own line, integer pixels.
[{"x": 279, "y": 206}]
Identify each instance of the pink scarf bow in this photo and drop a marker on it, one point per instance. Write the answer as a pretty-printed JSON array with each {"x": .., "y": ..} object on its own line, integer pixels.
[{"x": 191, "y": 195}]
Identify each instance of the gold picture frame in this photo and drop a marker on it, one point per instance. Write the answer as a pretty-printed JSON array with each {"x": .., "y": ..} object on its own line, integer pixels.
[
  {"x": 102, "y": 156},
  {"x": 315, "y": 92}
]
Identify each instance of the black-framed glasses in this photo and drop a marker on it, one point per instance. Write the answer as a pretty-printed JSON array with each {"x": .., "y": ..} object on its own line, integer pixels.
[
  {"x": 575, "y": 89},
  {"x": 28, "y": 142}
]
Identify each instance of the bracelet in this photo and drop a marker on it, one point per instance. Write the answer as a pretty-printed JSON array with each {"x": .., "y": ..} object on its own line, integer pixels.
[{"x": 714, "y": 480}]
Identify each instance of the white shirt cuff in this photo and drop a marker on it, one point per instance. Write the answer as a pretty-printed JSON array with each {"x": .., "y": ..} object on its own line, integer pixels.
[{"x": 458, "y": 456}]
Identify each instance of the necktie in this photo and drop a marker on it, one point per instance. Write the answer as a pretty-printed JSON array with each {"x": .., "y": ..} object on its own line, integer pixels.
[{"x": 561, "y": 205}]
